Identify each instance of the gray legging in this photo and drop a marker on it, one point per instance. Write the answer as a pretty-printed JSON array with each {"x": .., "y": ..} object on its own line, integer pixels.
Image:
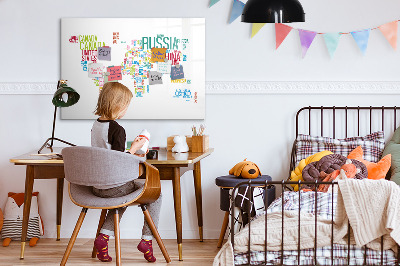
[{"x": 154, "y": 208}]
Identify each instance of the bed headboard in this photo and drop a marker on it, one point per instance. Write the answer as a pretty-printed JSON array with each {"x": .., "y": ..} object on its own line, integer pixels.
[
  {"x": 344, "y": 121},
  {"x": 375, "y": 114}
]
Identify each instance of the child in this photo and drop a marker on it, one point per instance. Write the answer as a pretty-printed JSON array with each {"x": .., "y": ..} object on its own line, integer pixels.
[{"x": 112, "y": 104}]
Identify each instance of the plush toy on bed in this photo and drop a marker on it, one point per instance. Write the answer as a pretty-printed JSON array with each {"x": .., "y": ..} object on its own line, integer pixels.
[
  {"x": 296, "y": 174},
  {"x": 13, "y": 215},
  {"x": 348, "y": 170},
  {"x": 245, "y": 169},
  {"x": 377, "y": 170},
  {"x": 317, "y": 171}
]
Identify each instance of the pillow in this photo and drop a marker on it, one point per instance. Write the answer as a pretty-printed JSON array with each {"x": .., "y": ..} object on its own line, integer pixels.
[
  {"x": 329, "y": 164},
  {"x": 393, "y": 148},
  {"x": 296, "y": 174},
  {"x": 375, "y": 170},
  {"x": 372, "y": 144}
]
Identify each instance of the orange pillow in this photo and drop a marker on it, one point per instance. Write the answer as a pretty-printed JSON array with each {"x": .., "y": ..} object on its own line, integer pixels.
[{"x": 375, "y": 170}]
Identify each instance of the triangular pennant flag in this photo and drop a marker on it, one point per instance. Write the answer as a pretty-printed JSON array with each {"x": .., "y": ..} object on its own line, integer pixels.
[
  {"x": 306, "y": 39},
  {"x": 255, "y": 28},
  {"x": 332, "y": 41},
  {"x": 281, "y": 31},
  {"x": 237, "y": 9},
  {"x": 213, "y": 2},
  {"x": 390, "y": 32},
  {"x": 361, "y": 37}
]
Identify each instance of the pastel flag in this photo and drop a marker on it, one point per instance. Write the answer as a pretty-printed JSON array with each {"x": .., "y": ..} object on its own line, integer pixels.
[
  {"x": 361, "y": 37},
  {"x": 389, "y": 30},
  {"x": 213, "y": 2},
  {"x": 256, "y": 27},
  {"x": 237, "y": 9},
  {"x": 306, "y": 39},
  {"x": 332, "y": 41},
  {"x": 281, "y": 31}
]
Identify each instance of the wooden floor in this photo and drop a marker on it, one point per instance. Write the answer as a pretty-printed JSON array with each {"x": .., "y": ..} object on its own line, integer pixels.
[{"x": 50, "y": 252}]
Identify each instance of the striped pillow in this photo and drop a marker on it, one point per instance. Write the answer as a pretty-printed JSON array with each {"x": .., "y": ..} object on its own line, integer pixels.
[
  {"x": 372, "y": 145},
  {"x": 13, "y": 228}
]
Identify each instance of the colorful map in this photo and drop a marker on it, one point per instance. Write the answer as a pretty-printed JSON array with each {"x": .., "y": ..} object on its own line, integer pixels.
[{"x": 157, "y": 66}]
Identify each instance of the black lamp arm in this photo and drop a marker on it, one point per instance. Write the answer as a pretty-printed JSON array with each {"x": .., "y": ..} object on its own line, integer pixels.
[
  {"x": 46, "y": 143},
  {"x": 51, "y": 147}
]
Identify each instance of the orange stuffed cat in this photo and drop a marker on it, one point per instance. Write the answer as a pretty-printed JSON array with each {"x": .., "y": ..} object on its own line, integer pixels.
[{"x": 375, "y": 170}]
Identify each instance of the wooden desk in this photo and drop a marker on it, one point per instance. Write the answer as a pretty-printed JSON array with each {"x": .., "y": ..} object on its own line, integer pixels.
[
  {"x": 40, "y": 167},
  {"x": 169, "y": 165}
]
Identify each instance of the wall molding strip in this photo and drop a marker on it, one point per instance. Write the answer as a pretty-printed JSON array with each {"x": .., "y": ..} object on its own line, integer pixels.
[
  {"x": 251, "y": 87},
  {"x": 304, "y": 87}
]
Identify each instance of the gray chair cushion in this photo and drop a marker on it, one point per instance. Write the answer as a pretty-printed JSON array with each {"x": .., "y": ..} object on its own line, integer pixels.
[
  {"x": 84, "y": 196},
  {"x": 99, "y": 167}
]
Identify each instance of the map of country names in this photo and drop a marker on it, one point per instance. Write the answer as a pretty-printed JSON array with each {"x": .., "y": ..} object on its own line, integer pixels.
[{"x": 161, "y": 60}]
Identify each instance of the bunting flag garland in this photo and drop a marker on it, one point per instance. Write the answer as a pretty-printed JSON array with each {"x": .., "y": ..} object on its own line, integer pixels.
[
  {"x": 306, "y": 39},
  {"x": 213, "y": 2},
  {"x": 361, "y": 37},
  {"x": 332, "y": 41},
  {"x": 389, "y": 30},
  {"x": 256, "y": 27},
  {"x": 281, "y": 31},
  {"x": 237, "y": 8}
]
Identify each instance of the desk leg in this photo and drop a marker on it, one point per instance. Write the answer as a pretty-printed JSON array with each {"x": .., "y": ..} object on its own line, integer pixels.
[
  {"x": 27, "y": 206},
  {"x": 199, "y": 204},
  {"x": 60, "y": 190},
  {"x": 176, "y": 182}
]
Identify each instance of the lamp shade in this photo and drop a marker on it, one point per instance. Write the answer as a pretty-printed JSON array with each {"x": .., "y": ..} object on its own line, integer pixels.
[
  {"x": 273, "y": 11},
  {"x": 70, "y": 97}
]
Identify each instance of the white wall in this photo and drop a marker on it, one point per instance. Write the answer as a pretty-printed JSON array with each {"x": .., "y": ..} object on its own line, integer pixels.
[{"x": 259, "y": 127}]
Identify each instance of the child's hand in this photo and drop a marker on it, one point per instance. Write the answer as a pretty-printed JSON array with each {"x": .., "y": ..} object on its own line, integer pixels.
[
  {"x": 143, "y": 155},
  {"x": 137, "y": 144}
]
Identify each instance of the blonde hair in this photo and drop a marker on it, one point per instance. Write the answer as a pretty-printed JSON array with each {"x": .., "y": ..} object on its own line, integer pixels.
[{"x": 113, "y": 99}]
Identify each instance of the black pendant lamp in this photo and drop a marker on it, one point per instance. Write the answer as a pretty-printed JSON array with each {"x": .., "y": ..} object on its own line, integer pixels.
[{"x": 273, "y": 11}]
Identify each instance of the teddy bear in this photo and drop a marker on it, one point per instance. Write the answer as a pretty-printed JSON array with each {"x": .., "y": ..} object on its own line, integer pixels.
[
  {"x": 13, "y": 215},
  {"x": 245, "y": 169},
  {"x": 180, "y": 144}
]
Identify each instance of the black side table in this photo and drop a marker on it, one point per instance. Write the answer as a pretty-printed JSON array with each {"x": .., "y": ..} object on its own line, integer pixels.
[{"x": 226, "y": 183}]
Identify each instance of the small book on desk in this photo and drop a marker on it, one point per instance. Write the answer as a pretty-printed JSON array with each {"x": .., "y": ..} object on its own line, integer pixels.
[{"x": 51, "y": 155}]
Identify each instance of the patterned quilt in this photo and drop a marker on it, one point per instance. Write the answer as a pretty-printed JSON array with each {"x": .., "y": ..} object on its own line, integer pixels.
[{"x": 321, "y": 205}]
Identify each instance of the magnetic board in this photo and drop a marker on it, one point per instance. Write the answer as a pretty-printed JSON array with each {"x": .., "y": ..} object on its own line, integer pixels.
[{"x": 161, "y": 60}]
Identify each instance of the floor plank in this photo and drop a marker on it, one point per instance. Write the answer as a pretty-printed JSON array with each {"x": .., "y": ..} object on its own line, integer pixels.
[{"x": 50, "y": 252}]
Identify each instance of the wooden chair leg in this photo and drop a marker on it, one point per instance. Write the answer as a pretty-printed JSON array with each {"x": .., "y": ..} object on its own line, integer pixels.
[
  {"x": 101, "y": 222},
  {"x": 73, "y": 237},
  {"x": 223, "y": 229},
  {"x": 154, "y": 230},
  {"x": 117, "y": 239}
]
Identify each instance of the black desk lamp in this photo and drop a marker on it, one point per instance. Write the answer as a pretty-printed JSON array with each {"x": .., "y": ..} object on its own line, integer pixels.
[
  {"x": 64, "y": 97},
  {"x": 273, "y": 11}
]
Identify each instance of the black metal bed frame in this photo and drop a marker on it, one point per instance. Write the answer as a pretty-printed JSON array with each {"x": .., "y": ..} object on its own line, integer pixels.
[{"x": 283, "y": 184}]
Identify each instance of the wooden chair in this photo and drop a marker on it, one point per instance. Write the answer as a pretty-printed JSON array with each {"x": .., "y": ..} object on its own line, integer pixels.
[{"x": 85, "y": 167}]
